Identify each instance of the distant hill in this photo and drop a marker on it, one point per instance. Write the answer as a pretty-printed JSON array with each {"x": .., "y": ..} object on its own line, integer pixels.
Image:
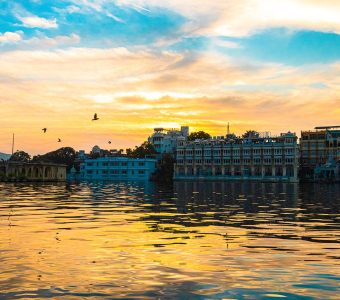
[{"x": 4, "y": 156}]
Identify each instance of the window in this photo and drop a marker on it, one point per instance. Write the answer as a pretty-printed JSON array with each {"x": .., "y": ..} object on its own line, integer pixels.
[
  {"x": 141, "y": 172},
  {"x": 89, "y": 164},
  {"x": 142, "y": 163}
]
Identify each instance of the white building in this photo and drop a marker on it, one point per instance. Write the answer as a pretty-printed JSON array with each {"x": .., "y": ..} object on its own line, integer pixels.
[
  {"x": 165, "y": 140},
  {"x": 117, "y": 168},
  {"x": 258, "y": 158}
]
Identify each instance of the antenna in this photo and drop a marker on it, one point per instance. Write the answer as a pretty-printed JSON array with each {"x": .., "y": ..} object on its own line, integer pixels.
[{"x": 13, "y": 144}]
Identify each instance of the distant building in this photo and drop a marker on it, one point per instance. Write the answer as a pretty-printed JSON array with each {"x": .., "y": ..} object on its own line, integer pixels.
[
  {"x": 257, "y": 158},
  {"x": 34, "y": 171},
  {"x": 165, "y": 140},
  {"x": 316, "y": 146},
  {"x": 117, "y": 168},
  {"x": 329, "y": 172}
]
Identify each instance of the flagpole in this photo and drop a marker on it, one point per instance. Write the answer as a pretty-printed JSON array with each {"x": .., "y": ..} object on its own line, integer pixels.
[{"x": 13, "y": 144}]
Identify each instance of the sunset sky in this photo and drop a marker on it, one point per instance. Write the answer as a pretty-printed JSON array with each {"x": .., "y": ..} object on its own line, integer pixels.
[{"x": 257, "y": 64}]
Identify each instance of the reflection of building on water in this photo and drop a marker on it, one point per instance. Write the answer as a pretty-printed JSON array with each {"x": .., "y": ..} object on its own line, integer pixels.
[
  {"x": 219, "y": 191},
  {"x": 224, "y": 158},
  {"x": 34, "y": 171}
]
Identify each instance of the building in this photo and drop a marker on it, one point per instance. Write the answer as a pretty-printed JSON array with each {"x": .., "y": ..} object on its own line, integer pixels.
[
  {"x": 30, "y": 171},
  {"x": 165, "y": 140},
  {"x": 316, "y": 147},
  {"x": 257, "y": 158},
  {"x": 117, "y": 168},
  {"x": 328, "y": 172}
]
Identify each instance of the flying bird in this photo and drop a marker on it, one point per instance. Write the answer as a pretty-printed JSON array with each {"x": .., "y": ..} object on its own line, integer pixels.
[
  {"x": 44, "y": 130},
  {"x": 59, "y": 140},
  {"x": 109, "y": 142},
  {"x": 95, "y": 117}
]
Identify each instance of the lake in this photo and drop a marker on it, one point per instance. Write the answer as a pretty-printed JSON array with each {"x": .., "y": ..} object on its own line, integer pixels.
[{"x": 192, "y": 240}]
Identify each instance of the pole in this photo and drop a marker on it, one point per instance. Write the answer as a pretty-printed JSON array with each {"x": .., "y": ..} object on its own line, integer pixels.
[{"x": 13, "y": 144}]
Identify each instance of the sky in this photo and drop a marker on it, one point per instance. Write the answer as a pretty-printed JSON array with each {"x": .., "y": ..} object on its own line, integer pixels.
[{"x": 257, "y": 64}]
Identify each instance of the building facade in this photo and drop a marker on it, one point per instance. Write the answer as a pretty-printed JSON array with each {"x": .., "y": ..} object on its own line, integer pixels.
[
  {"x": 316, "y": 147},
  {"x": 117, "y": 168},
  {"x": 34, "y": 171},
  {"x": 256, "y": 158},
  {"x": 166, "y": 140}
]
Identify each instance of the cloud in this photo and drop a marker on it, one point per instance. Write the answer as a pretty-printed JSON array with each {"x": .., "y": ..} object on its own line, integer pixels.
[
  {"x": 134, "y": 90},
  {"x": 46, "y": 42},
  {"x": 11, "y": 37},
  {"x": 244, "y": 17},
  {"x": 37, "y": 22}
]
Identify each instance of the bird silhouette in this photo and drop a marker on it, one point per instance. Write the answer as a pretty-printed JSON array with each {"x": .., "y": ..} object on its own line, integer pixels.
[
  {"x": 109, "y": 142},
  {"x": 44, "y": 130},
  {"x": 95, "y": 117},
  {"x": 59, "y": 140}
]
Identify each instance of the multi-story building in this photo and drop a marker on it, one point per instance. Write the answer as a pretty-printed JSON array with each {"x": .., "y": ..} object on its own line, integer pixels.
[
  {"x": 317, "y": 146},
  {"x": 117, "y": 168},
  {"x": 165, "y": 140},
  {"x": 258, "y": 158}
]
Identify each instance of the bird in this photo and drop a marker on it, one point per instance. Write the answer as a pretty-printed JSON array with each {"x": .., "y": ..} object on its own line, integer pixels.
[
  {"x": 59, "y": 140},
  {"x": 109, "y": 142},
  {"x": 44, "y": 130},
  {"x": 95, "y": 117}
]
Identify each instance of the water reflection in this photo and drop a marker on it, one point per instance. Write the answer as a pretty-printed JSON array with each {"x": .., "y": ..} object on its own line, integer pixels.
[{"x": 193, "y": 240}]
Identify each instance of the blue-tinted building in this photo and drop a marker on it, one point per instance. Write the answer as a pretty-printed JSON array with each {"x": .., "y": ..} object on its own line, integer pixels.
[{"x": 117, "y": 168}]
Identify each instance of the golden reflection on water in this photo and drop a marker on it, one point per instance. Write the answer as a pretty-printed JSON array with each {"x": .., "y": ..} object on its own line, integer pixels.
[{"x": 193, "y": 240}]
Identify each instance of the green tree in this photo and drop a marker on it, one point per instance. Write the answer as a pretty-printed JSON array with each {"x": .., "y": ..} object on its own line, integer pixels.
[
  {"x": 198, "y": 135},
  {"x": 65, "y": 155},
  {"x": 145, "y": 149},
  {"x": 21, "y": 156},
  {"x": 165, "y": 169},
  {"x": 250, "y": 134}
]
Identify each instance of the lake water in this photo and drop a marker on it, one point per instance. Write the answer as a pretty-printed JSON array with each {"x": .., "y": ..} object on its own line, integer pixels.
[{"x": 193, "y": 240}]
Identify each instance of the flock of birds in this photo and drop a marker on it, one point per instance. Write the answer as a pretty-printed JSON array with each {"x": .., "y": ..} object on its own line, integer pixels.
[{"x": 95, "y": 118}]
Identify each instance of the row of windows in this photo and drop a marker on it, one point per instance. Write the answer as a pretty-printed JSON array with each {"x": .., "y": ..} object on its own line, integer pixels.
[
  {"x": 236, "y": 152},
  {"x": 113, "y": 163},
  {"x": 237, "y": 161},
  {"x": 116, "y": 172}
]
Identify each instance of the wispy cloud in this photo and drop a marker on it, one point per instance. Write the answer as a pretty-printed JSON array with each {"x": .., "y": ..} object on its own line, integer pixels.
[
  {"x": 10, "y": 37},
  {"x": 37, "y": 22},
  {"x": 136, "y": 90}
]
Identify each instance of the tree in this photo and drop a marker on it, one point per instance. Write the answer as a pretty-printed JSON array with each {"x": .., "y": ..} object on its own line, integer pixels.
[
  {"x": 145, "y": 149},
  {"x": 165, "y": 169},
  {"x": 199, "y": 135},
  {"x": 21, "y": 156},
  {"x": 250, "y": 134},
  {"x": 65, "y": 155}
]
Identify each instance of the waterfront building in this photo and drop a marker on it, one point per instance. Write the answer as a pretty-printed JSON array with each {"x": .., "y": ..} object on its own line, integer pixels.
[
  {"x": 166, "y": 140},
  {"x": 224, "y": 158},
  {"x": 317, "y": 146},
  {"x": 117, "y": 168},
  {"x": 329, "y": 172},
  {"x": 30, "y": 171}
]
